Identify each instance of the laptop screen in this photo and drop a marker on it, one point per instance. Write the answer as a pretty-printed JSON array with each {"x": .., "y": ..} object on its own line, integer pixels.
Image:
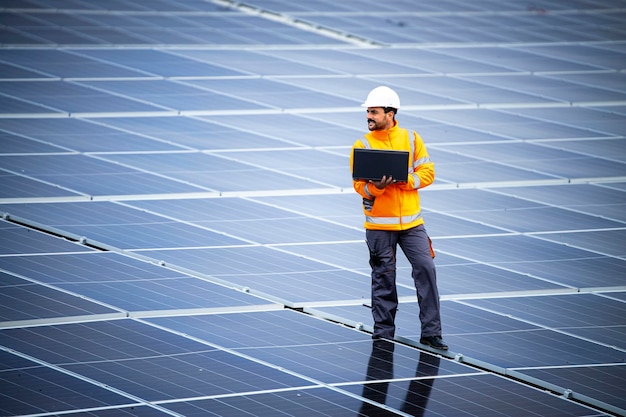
[{"x": 373, "y": 164}]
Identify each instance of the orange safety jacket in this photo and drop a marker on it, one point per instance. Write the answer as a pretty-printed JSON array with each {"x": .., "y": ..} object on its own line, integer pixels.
[{"x": 396, "y": 207}]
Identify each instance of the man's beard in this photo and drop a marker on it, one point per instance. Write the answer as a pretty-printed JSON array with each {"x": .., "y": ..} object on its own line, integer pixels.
[{"x": 372, "y": 125}]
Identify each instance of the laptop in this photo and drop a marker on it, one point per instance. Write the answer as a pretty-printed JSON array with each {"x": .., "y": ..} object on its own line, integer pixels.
[{"x": 373, "y": 164}]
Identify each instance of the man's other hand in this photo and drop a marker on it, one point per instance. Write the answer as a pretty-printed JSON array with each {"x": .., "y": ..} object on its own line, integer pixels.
[{"x": 384, "y": 181}]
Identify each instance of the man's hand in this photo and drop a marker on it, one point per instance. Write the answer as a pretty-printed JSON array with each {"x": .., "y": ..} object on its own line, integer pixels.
[{"x": 384, "y": 181}]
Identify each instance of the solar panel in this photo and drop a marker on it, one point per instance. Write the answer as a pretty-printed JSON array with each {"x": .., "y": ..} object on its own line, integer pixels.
[
  {"x": 71, "y": 97},
  {"x": 521, "y": 59},
  {"x": 30, "y": 387},
  {"x": 81, "y": 135},
  {"x": 179, "y": 233},
  {"x": 23, "y": 240},
  {"x": 65, "y": 64},
  {"x": 24, "y": 300}
]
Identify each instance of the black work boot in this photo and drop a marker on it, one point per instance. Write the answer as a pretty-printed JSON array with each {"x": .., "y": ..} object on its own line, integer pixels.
[{"x": 434, "y": 342}]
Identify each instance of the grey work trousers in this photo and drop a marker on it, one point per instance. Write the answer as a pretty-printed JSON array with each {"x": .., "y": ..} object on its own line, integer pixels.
[{"x": 416, "y": 246}]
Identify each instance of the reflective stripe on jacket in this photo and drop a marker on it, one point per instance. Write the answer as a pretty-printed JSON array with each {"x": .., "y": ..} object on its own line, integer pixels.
[{"x": 396, "y": 207}]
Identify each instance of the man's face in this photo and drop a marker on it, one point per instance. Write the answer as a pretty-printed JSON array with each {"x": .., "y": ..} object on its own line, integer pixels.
[{"x": 377, "y": 119}]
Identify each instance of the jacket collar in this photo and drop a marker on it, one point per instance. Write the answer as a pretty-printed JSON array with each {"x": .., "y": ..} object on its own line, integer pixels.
[{"x": 385, "y": 134}]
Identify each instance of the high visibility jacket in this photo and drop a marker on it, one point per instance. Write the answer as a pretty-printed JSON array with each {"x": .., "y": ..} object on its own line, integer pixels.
[{"x": 397, "y": 206}]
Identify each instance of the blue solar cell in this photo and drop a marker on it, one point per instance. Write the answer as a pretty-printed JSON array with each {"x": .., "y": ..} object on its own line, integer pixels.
[
  {"x": 520, "y": 123},
  {"x": 17, "y": 105},
  {"x": 273, "y": 33},
  {"x": 555, "y": 162},
  {"x": 464, "y": 277},
  {"x": 65, "y": 64},
  {"x": 556, "y": 89},
  {"x": 273, "y": 94},
  {"x": 15, "y": 186},
  {"x": 319, "y": 167},
  {"x": 281, "y": 7},
  {"x": 303, "y": 287},
  {"x": 160, "y": 63},
  {"x": 70, "y": 97},
  {"x": 235, "y": 218},
  {"x": 435, "y": 133},
  {"x": 583, "y": 198},
  {"x": 490, "y": 396},
  {"x": 122, "y": 21},
  {"x": 346, "y": 63},
  {"x": 352, "y": 255},
  {"x": 95, "y": 267},
  {"x": 535, "y": 348},
  {"x": 252, "y": 62},
  {"x": 24, "y": 300},
  {"x": 193, "y": 132},
  {"x": 99, "y": 341},
  {"x": 460, "y": 202},
  {"x": 440, "y": 224},
  {"x": 543, "y": 219},
  {"x": 539, "y": 258},
  {"x": 294, "y": 130},
  {"x": 458, "y": 321},
  {"x": 107, "y": 139},
  {"x": 167, "y": 94},
  {"x": 212, "y": 172},
  {"x": 336, "y": 207},
  {"x": 157, "y": 35},
  {"x": 454, "y": 168},
  {"x": 22, "y": 240},
  {"x": 618, "y": 295},
  {"x": 61, "y": 19},
  {"x": 263, "y": 329},
  {"x": 313, "y": 402},
  {"x": 519, "y": 59},
  {"x": 319, "y": 361},
  {"x": 214, "y": 210},
  {"x": 577, "y": 53},
  {"x": 514, "y": 342},
  {"x": 306, "y": 345},
  {"x": 599, "y": 121},
  {"x": 8, "y": 71},
  {"x": 90, "y": 175},
  {"x": 50, "y": 35},
  {"x": 176, "y": 292},
  {"x": 435, "y": 61},
  {"x": 31, "y": 389},
  {"x": 285, "y": 275},
  {"x": 565, "y": 312},
  {"x": 16, "y": 144},
  {"x": 161, "y": 233},
  {"x": 602, "y": 242},
  {"x": 147, "y": 362},
  {"x": 467, "y": 91},
  {"x": 602, "y": 382},
  {"x": 81, "y": 135},
  {"x": 11, "y": 37},
  {"x": 212, "y": 35},
  {"x": 121, "y": 283},
  {"x": 344, "y": 86},
  {"x": 608, "y": 149},
  {"x": 245, "y": 260}
]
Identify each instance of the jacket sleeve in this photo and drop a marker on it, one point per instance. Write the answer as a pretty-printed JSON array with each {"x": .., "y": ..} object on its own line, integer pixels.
[{"x": 423, "y": 168}]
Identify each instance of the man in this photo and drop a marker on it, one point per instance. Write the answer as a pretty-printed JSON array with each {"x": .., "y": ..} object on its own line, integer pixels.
[{"x": 393, "y": 217}]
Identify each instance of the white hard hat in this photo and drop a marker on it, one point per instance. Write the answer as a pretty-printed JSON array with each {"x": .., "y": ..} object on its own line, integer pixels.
[{"x": 382, "y": 97}]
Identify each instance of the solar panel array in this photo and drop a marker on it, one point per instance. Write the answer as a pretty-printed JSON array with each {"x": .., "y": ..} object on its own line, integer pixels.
[{"x": 179, "y": 233}]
